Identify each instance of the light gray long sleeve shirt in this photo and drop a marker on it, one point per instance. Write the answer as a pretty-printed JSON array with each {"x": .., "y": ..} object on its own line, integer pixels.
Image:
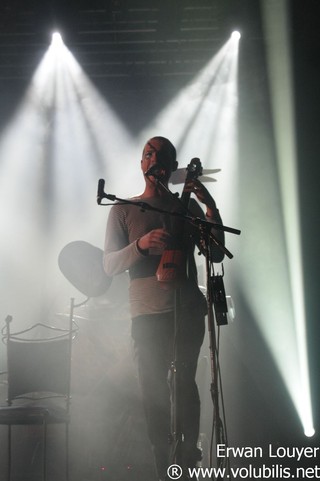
[{"x": 126, "y": 224}]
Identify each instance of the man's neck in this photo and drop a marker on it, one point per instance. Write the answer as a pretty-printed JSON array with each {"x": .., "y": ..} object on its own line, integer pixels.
[{"x": 154, "y": 190}]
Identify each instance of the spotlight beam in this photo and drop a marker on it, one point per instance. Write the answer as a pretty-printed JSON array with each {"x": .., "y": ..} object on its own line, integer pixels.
[{"x": 279, "y": 55}]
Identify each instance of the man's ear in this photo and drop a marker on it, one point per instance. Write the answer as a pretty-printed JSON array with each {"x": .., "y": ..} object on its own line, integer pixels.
[{"x": 174, "y": 165}]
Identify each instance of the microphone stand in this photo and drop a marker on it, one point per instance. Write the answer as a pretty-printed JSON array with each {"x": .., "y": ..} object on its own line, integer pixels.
[
  {"x": 208, "y": 237},
  {"x": 217, "y": 431},
  {"x": 176, "y": 368}
]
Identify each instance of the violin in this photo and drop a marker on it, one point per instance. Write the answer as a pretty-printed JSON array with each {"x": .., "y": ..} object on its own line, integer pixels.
[{"x": 172, "y": 267}]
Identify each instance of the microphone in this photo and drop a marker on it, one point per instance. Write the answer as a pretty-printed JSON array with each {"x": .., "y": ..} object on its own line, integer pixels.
[
  {"x": 100, "y": 194},
  {"x": 156, "y": 170}
]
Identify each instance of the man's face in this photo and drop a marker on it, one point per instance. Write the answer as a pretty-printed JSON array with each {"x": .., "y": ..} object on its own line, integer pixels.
[{"x": 156, "y": 152}]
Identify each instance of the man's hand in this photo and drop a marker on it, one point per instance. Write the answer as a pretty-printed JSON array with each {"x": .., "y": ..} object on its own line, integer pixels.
[
  {"x": 155, "y": 240},
  {"x": 202, "y": 195}
]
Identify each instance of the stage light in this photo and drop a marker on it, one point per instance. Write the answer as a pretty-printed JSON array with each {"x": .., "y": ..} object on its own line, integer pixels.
[
  {"x": 275, "y": 316},
  {"x": 202, "y": 119},
  {"x": 236, "y": 35},
  {"x": 68, "y": 138},
  {"x": 309, "y": 432},
  {"x": 56, "y": 39}
]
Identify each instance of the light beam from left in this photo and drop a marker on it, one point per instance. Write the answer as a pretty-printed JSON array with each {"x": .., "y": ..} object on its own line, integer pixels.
[{"x": 61, "y": 140}]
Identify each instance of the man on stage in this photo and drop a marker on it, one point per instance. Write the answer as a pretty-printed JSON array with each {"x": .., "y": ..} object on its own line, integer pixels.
[{"x": 135, "y": 241}]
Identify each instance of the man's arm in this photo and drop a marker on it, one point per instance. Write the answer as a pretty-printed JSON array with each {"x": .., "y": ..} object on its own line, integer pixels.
[{"x": 119, "y": 253}]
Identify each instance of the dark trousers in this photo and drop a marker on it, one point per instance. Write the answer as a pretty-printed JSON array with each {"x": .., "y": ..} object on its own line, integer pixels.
[{"x": 153, "y": 337}]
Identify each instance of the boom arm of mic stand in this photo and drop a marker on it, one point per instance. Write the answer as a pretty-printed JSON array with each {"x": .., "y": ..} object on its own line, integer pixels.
[
  {"x": 142, "y": 205},
  {"x": 203, "y": 224}
]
